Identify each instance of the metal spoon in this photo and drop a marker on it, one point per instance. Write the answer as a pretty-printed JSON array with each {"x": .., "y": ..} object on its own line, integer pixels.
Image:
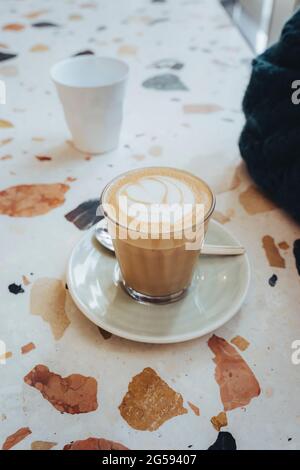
[{"x": 103, "y": 237}]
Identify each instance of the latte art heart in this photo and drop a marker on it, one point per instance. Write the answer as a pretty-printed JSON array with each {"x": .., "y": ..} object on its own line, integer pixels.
[
  {"x": 157, "y": 195},
  {"x": 157, "y": 190},
  {"x": 155, "y": 198}
]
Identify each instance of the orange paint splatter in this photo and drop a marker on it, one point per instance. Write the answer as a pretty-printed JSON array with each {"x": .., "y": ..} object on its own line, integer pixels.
[
  {"x": 70, "y": 179},
  {"x": 5, "y": 124},
  {"x": 238, "y": 384},
  {"x": 35, "y": 14},
  {"x": 223, "y": 218},
  {"x": 240, "y": 343},
  {"x": 38, "y": 139},
  {"x": 15, "y": 438},
  {"x": 127, "y": 50},
  {"x": 274, "y": 257},
  {"x": 13, "y": 27},
  {"x": 27, "y": 348},
  {"x": 75, "y": 17},
  {"x": 93, "y": 443},
  {"x": 42, "y": 445},
  {"x": 219, "y": 421},
  {"x": 283, "y": 245},
  {"x": 47, "y": 299},
  {"x": 6, "y": 157},
  {"x": 5, "y": 141},
  {"x": 194, "y": 408},
  {"x": 155, "y": 151},
  {"x": 43, "y": 158},
  {"x": 25, "y": 280},
  {"x": 254, "y": 202},
  {"x": 6, "y": 355},
  {"x": 139, "y": 157},
  {"x": 201, "y": 108},
  {"x": 150, "y": 402},
  {"x": 73, "y": 394},
  {"x": 30, "y": 200},
  {"x": 39, "y": 48}
]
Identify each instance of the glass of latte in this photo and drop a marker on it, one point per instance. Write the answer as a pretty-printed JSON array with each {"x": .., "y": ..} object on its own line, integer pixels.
[{"x": 157, "y": 218}]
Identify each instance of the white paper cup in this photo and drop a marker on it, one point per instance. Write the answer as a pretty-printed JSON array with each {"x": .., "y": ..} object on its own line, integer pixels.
[{"x": 91, "y": 90}]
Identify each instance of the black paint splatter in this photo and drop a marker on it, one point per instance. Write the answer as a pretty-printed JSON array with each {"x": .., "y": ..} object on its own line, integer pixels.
[
  {"x": 273, "y": 279},
  {"x": 297, "y": 254},
  {"x": 168, "y": 64},
  {"x": 101, "y": 28},
  {"x": 158, "y": 1},
  {"x": 105, "y": 334},
  {"x": 158, "y": 20},
  {"x": 85, "y": 215},
  {"x": 44, "y": 24},
  {"x": 15, "y": 289},
  {"x": 87, "y": 52},
  {"x": 225, "y": 441},
  {"x": 164, "y": 82},
  {"x": 5, "y": 56}
]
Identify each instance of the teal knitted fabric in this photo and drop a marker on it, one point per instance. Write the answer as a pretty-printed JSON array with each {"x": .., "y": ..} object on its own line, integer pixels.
[{"x": 270, "y": 140}]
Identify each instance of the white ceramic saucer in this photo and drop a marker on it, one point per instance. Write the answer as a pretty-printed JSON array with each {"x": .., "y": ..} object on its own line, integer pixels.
[{"x": 217, "y": 292}]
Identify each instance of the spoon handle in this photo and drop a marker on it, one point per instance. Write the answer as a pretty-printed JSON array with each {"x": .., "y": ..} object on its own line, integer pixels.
[
  {"x": 104, "y": 238},
  {"x": 222, "y": 250}
]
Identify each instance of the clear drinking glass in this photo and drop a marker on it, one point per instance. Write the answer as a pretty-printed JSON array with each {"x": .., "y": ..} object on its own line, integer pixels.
[{"x": 156, "y": 269}]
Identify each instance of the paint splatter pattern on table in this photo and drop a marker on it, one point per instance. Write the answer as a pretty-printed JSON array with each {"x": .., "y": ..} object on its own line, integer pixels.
[{"x": 183, "y": 109}]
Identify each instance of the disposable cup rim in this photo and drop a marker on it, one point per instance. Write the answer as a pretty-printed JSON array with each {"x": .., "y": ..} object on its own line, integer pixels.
[{"x": 88, "y": 58}]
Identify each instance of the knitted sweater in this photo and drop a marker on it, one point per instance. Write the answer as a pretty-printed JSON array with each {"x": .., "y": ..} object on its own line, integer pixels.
[{"x": 270, "y": 140}]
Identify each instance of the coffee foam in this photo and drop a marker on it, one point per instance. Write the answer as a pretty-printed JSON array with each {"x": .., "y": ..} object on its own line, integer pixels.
[{"x": 160, "y": 186}]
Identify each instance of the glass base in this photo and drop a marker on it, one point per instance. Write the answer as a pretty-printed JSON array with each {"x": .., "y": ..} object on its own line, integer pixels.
[{"x": 163, "y": 299}]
